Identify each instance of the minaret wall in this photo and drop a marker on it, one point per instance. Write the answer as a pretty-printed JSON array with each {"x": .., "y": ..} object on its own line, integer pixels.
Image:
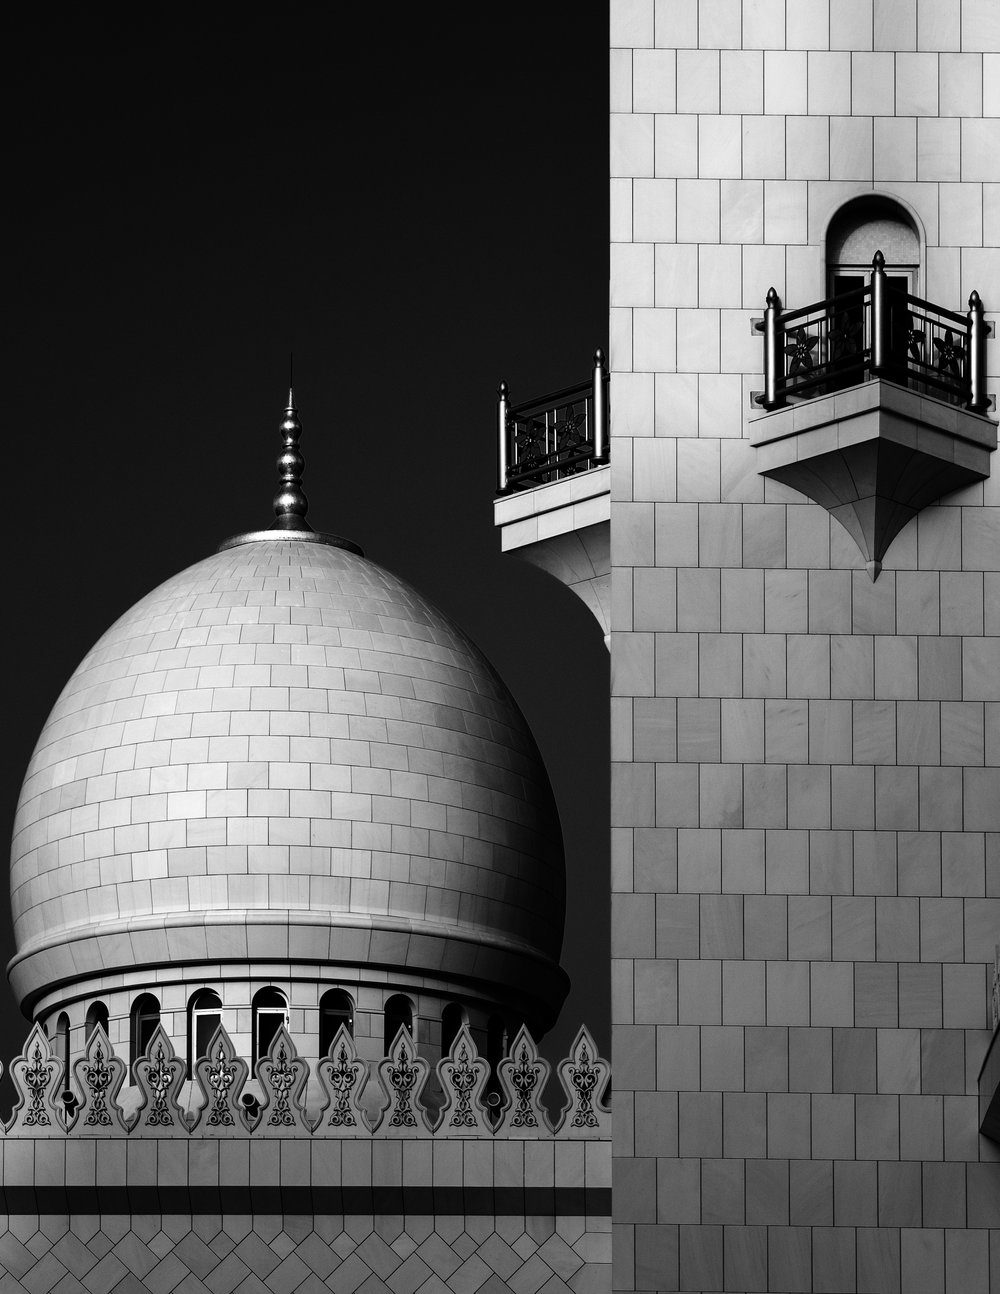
[{"x": 806, "y": 795}]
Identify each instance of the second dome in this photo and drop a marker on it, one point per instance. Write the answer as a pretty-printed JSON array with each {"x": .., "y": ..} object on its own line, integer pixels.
[{"x": 285, "y": 752}]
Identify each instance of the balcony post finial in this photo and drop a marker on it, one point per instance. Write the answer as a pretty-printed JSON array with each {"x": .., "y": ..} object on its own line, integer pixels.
[
  {"x": 773, "y": 368},
  {"x": 503, "y": 441},
  {"x": 600, "y": 428},
  {"x": 880, "y": 317},
  {"x": 978, "y": 401}
]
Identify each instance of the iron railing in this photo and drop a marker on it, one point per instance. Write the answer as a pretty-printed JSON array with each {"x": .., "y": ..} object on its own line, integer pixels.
[
  {"x": 555, "y": 436},
  {"x": 874, "y": 331}
]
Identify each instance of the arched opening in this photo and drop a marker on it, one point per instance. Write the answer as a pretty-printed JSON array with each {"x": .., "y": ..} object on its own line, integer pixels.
[
  {"x": 859, "y": 229},
  {"x": 270, "y": 1012},
  {"x": 204, "y": 1017},
  {"x": 452, "y": 1019},
  {"x": 62, "y": 1045},
  {"x": 97, "y": 1014},
  {"x": 143, "y": 1020},
  {"x": 865, "y": 226},
  {"x": 398, "y": 1012},
  {"x": 335, "y": 1009}
]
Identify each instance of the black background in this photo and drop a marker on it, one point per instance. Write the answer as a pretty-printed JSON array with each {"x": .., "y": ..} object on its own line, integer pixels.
[{"x": 416, "y": 205}]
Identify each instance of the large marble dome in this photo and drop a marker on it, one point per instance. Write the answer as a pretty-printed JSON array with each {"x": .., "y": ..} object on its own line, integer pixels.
[{"x": 285, "y": 764}]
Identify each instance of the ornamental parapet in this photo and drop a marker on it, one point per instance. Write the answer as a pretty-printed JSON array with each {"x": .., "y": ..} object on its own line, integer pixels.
[{"x": 399, "y": 1097}]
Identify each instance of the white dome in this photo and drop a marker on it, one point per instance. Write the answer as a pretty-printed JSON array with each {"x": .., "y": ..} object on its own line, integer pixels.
[{"x": 286, "y": 752}]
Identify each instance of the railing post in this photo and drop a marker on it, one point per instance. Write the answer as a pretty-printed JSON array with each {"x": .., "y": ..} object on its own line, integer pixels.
[
  {"x": 600, "y": 428},
  {"x": 979, "y": 329},
  {"x": 773, "y": 368},
  {"x": 503, "y": 440},
  {"x": 880, "y": 318}
]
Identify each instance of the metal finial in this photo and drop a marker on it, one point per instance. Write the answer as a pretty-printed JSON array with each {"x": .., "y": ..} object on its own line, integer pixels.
[
  {"x": 975, "y": 301},
  {"x": 599, "y": 358},
  {"x": 290, "y": 502},
  {"x": 772, "y": 299},
  {"x": 878, "y": 261}
]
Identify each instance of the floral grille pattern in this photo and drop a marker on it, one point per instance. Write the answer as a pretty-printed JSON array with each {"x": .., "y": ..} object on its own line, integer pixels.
[
  {"x": 38, "y": 1077},
  {"x": 346, "y": 1097},
  {"x": 343, "y": 1077}
]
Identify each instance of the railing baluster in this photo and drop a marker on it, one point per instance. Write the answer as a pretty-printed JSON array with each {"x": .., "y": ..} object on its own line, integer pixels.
[
  {"x": 880, "y": 317},
  {"x": 599, "y": 436},
  {"x": 503, "y": 441},
  {"x": 773, "y": 336},
  {"x": 978, "y": 401}
]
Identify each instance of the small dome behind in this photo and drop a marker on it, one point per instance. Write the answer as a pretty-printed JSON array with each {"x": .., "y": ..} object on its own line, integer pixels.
[{"x": 286, "y": 753}]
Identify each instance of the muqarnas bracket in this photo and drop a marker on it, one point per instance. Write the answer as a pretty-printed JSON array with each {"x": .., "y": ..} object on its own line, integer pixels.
[{"x": 874, "y": 455}]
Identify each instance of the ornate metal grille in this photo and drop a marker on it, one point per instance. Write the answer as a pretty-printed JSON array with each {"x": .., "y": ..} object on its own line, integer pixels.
[
  {"x": 555, "y": 436},
  {"x": 875, "y": 331}
]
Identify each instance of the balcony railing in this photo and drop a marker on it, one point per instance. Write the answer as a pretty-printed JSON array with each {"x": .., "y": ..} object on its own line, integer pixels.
[
  {"x": 874, "y": 332},
  {"x": 555, "y": 436}
]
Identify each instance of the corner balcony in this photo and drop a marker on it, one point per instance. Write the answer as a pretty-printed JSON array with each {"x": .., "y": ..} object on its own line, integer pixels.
[
  {"x": 554, "y": 486},
  {"x": 875, "y": 405}
]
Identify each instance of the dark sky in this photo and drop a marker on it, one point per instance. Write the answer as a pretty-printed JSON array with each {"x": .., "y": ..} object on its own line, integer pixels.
[{"x": 417, "y": 208}]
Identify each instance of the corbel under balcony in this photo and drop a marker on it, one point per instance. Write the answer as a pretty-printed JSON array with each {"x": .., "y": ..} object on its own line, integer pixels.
[
  {"x": 875, "y": 406},
  {"x": 564, "y": 528},
  {"x": 873, "y": 456},
  {"x": 554, "y": 487}
]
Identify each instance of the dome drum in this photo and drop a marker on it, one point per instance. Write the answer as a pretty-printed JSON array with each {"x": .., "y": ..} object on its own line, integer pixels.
[
  {"x": 240, "y": 953},
  {"x": 371, "y": 1010}
]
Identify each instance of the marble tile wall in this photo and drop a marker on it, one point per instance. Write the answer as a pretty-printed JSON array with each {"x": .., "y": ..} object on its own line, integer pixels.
[{"x": 806, "y": 794}]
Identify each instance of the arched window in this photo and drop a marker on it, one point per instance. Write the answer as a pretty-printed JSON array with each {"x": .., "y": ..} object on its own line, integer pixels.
[
  {"x": 97, "y": 1014},
  {"x": 204, "y": 1017},
  {"x": 861, "y": 228},
  {"x": 335, "y": 1009},
  {"x": 62, "y": 1045},
  {"x": 143, "y": 1019},
  {"x": 270, "y": 1012},
  {"x": 398, "y": 1012},
  {"x": 452, "y": 1019}
]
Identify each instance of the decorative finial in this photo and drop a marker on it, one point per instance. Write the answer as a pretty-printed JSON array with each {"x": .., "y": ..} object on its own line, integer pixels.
[
  {"x": 878, "y": 261},
  {"x": 772, "y": 299},
  {"x": 598, "y": 358},
  {"x": 975, "y": 300},
  {"x": 290, "y": 502}
]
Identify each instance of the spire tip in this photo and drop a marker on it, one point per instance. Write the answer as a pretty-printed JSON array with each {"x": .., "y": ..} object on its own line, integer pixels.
[{"x": 290, "y": 502}]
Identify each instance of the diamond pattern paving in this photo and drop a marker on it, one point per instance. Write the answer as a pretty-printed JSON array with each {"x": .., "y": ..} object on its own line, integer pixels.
[{"x": 177, "y": 1260}]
